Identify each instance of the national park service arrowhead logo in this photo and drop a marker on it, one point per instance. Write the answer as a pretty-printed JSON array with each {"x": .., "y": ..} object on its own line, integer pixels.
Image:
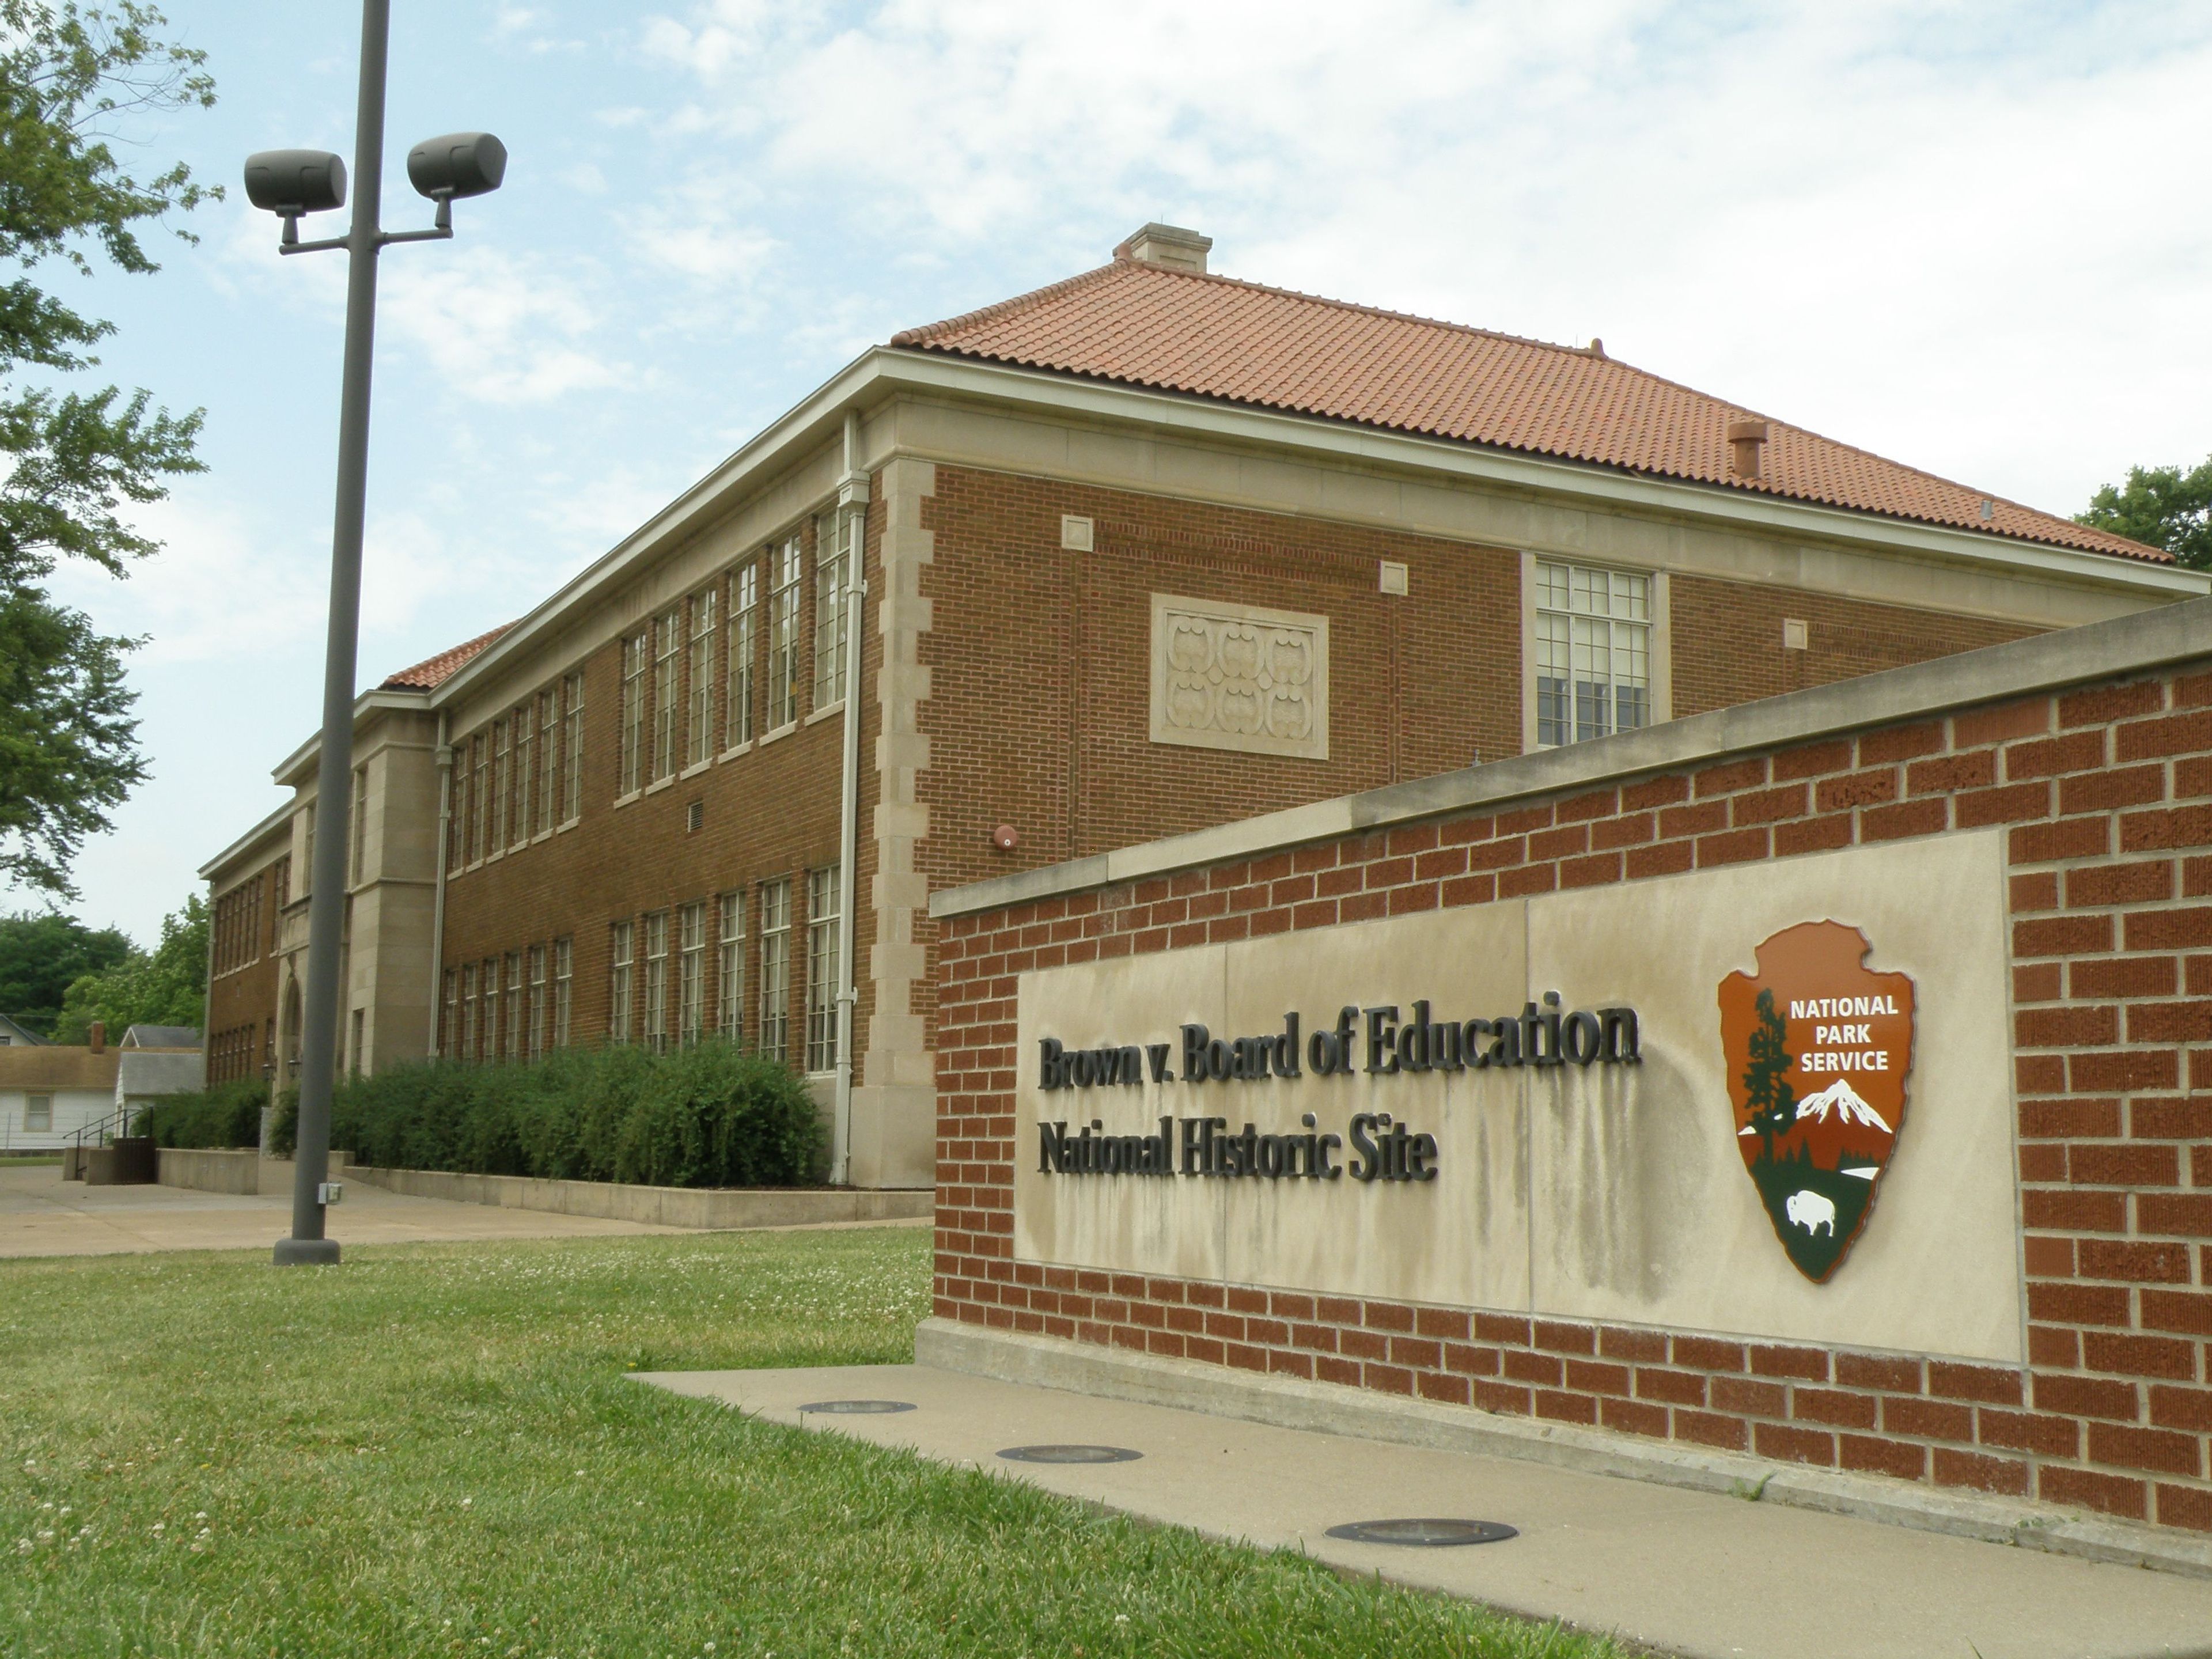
[{"x": 1818, "y": 1048}]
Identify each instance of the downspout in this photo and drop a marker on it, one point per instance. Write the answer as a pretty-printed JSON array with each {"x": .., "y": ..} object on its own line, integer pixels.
[
  {"x": 438, "y": 888},
  {"x": 852, "y": 523}
]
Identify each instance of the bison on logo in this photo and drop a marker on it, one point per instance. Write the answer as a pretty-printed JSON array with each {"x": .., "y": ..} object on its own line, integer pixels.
[{"x": 1818, "y": 1048}]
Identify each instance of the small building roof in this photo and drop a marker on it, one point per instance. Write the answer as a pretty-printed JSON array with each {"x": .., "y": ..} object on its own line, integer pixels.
[
  {"x": 16, "y": 1031},
  {"x": 432, "y": 671},
  {"x": 1153, "y": 325},
  {"x": 163, "y": 1036},
  {"x": 146, "y": 1071},
  {"x": 56, "y": 1066}
]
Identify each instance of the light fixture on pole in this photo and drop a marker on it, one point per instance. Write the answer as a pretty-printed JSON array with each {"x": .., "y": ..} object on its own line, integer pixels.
[{"x": 291, "y": 183}]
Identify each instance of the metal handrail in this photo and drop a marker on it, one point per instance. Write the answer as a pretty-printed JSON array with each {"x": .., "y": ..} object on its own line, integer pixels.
[{"x": 116, "y": 1126}]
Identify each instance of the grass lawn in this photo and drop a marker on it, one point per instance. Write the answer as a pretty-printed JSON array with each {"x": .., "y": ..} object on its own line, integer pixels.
[{"x": 432, "y": 1449}]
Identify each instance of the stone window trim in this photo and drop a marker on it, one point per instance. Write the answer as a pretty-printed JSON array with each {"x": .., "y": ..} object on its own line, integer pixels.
[
  {"x": 1662, "y": 657},
  {"x": 1239, "y": 678},
  {"x": 694, "y": 769},
  {"x": 823, "y": 713}
]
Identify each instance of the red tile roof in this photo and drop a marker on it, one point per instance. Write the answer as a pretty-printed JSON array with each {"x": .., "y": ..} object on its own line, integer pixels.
[
  {"x": 1213, "y": 336},
  {"x": 433, "y": 671}
]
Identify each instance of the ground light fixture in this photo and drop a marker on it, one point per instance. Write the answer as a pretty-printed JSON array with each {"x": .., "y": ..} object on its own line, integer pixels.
[
  {"x": 1424, "y": 1533},
  {"x": 293, "y": 184}
]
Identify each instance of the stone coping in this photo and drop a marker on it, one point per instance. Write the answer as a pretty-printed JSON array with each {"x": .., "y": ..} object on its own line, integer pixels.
[
  {"x": 2137, "y": 643},
  {"x": 1293, "y": 1402},
  {"x": 708, "y": 1208}
]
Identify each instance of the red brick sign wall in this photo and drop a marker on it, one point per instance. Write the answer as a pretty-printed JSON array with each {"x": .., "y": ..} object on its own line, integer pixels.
[{"x": 2107, "y": 794}]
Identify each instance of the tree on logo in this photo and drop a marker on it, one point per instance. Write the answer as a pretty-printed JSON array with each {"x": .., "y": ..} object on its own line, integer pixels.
[{"x": 1774, "y": 1102}]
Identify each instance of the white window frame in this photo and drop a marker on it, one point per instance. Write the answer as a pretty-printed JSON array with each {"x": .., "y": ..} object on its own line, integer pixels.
[
  {"x": 774, "y": 1026},
  {"x": 744, "y": 646},
  {"x": 783, "y": 636},
  {"x": 830, "y": 539},
  {"x": 667, "y": 659},
  {"x": 691, "y": 972},
  {"x": 822, "y": 915},
  {"x": 621, "y": 952},
  {"x": 730, "y": 986},
  {"x": 656, "y": 981},
  {"x": 564, "y": 986},
  {"x": 636, "y": 649},
  {"x": 1659, "y": 658}
]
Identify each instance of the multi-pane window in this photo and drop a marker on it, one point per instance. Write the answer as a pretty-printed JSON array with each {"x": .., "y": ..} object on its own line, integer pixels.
[
  {"x": 479, "y": 794},
  {"x": 730, "y": 993},
  {"x": 822, "y": 917},
  {"x": 502, "y": 784},
  {"x": 783, "y": 637},
  {"x": 544, "y": 781},
  {"x": 621, "y": 953},
  {"x": 564, "y": 978},
  {"x": 744, "y": 639},
  {"x": 636, "y": 650},
  {"x": 668, "y": 641},
  {"x": 1593, "y": 652},
  {"x": 457, "y": 807},
  {"x": 656, "y": 980},
  {"x": 699, "y": 721},
  {"x": 526, "y": 771},
  {"x": 691, "y": 973},
  {"x": 38, "y": 1114},
  {"x": 828, "y": 611},
  {"x": 514, "y": 1005},
  {"x": 360, "y": 822},
  {"x": 450, "y": 1033},
  {"x": 308, "y": 851},
  {"x": 469, "y": 1012},
  {"x": 488, "y": 986},
  {"x": 775, "y": 969},
  {"x": 536, "y": 1001},
  {"x": 572, "y": 747}
]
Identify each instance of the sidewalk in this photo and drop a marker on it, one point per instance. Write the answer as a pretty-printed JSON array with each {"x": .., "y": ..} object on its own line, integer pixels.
[
  {"x": 40, "y": 1214},
  {"x": 1684, "y": 1571}
]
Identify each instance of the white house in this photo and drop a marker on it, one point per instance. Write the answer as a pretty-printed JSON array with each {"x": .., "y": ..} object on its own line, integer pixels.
[{"x": 49, "y": 1091}]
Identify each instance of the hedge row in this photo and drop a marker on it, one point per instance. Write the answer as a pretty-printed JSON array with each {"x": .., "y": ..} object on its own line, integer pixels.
[
  {"x": 228, "y": 1114},
  {"x": 714, "y": 1116}
]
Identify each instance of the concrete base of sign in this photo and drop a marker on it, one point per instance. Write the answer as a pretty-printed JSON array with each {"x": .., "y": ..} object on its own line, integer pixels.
[
  {"x": 1695, "y": 1574},
  {"x": 1294, "y": 1403}
]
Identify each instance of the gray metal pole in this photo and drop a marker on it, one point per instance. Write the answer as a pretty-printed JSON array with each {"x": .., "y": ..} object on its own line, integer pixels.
[{"x": 334, "y": 776}]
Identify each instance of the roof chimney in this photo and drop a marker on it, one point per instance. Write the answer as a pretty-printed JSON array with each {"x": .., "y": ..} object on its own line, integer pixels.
[
  {"x": 95, "y": 1037},
  {"x": 1746, "y": 439},
  {"x": 1168, "y": 246}
]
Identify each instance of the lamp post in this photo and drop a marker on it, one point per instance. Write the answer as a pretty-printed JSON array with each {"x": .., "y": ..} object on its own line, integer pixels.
[{"x": 291, "y": 183}]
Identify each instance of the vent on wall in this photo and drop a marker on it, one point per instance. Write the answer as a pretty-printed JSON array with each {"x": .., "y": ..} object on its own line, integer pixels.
[{"x": 694, "y": 817}]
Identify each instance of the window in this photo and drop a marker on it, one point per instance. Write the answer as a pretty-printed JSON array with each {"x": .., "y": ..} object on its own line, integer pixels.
[
  {"x": 513, "y": 1049},
  {"x": 469, "y": 1012},
  {"x": 745, "y": 624},
  {"x": 668, "y": 639},
  {"x": 308, "y": 851},
  {"x": 449, "y": 1036},
  {"x": 632, "y": 765},
  {"x": 775, "y": 970},
  {"x": 526, "y": 771},
  {"x": 502, "y": 786},
  {"x": 571, "y": 748},
  {"x": 656, "y": 981},
  {"x": 548, "y": 782},
  {"x": 536, "y": 1001},
  {"x": 565, "y": 976},
  {"x": 620, "y": 954},
  {"x": 822, "y": 917},
  {"x": 730, "y": 992},
  {"x": 828, "y": 611},
  {"x": 691, "y": 973},
  {"x": 783, "y": 638},
  {"x": 360, "y": 821},
  {"x": 490, "y": 985},
  {"x": 353, "y": 1050},
  {"x": 283, "y": 894},
  {"x": 479, "y": 795},
  {"x": 1593, "y": 652},
  {"x": 38, "y": 1114},
  {"x": 699, "y": 731}
]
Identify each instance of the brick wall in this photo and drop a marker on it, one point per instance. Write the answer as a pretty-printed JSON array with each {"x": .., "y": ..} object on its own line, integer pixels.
[
  {"x": 2107, "y": 796},
  {"x": 241, "y": 1008}
]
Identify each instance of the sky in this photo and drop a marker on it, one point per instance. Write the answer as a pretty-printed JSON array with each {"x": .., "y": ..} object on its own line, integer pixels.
[{"x": 1972, "y": 237}]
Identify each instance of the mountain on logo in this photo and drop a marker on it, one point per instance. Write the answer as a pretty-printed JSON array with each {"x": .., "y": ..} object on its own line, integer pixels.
[{"x": 1844, "y": 1100}]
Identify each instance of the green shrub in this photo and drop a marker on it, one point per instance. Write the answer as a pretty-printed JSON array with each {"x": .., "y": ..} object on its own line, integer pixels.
[
  {"x": 714, "y": 1116},
  {"x": 228, "y": 1114}
]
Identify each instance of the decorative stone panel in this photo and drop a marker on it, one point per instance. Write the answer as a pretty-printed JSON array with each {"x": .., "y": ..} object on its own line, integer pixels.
[{"x": 1239, "y": 676}]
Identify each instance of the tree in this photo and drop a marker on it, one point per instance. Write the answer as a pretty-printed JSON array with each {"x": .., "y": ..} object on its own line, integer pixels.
[
  {"x": 1766, "y": 1083},
  {"x": 2162, "y": 505},
  {"x": 41, "y": 955},
  {"x": 165, "y": 987},
  {"x": 73, "y": 77}
]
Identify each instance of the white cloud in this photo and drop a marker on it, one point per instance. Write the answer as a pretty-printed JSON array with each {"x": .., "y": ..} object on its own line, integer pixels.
[{"x": 498, "y": 329}]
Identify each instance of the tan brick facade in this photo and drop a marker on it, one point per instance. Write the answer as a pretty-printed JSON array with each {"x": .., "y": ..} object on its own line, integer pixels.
[{"x": 2106, "y": 795}]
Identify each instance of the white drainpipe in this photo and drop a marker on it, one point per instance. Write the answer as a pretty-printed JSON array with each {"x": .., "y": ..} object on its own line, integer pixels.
[
  {"x": 438, "y": 892},
  {"x": 851, "y": 524}
]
